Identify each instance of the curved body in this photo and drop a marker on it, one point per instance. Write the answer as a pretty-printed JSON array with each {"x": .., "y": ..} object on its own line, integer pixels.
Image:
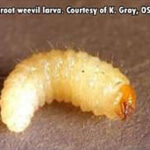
[{"x": 69, "y": 76}]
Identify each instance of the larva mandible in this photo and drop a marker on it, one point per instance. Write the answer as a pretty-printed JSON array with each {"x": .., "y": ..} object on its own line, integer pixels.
[{"x": 68, "y": 76}]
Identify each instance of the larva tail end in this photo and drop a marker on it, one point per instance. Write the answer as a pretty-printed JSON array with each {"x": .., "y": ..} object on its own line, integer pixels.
[{"x": 127, "y": 102}]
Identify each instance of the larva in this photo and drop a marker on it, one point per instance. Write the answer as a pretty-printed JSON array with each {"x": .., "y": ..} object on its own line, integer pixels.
[{"x": 69, "y": 76}]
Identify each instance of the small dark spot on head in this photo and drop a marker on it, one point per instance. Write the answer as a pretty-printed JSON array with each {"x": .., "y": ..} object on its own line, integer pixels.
[{"x": 83, "y": 71}]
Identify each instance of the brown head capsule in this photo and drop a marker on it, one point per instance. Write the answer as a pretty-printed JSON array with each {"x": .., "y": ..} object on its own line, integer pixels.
[{"x": 127, "y": 102}]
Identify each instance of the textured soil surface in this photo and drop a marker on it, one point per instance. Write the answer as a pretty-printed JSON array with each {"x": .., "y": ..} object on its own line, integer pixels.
[{"x": 121, "y": 40}]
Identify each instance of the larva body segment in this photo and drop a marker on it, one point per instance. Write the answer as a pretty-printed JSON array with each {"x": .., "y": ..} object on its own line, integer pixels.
[{"x": 69, "y": 76}]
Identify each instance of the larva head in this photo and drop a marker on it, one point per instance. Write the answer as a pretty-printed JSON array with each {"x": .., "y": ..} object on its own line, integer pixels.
[{"x": 126, "y": 102}]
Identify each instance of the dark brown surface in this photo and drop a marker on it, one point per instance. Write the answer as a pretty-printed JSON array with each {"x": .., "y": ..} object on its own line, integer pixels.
[{"x": 123, "y": 40}]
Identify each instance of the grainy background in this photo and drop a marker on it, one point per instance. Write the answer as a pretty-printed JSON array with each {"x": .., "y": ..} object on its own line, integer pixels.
[{"x": 123, "y": 40}]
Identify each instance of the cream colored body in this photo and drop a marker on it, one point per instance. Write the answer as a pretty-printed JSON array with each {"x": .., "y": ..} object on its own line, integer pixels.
[{"x": 68, "y": 76}]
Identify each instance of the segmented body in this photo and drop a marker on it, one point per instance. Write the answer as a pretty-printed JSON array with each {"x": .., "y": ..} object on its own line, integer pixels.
[{"x": 67, "y": 76}]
